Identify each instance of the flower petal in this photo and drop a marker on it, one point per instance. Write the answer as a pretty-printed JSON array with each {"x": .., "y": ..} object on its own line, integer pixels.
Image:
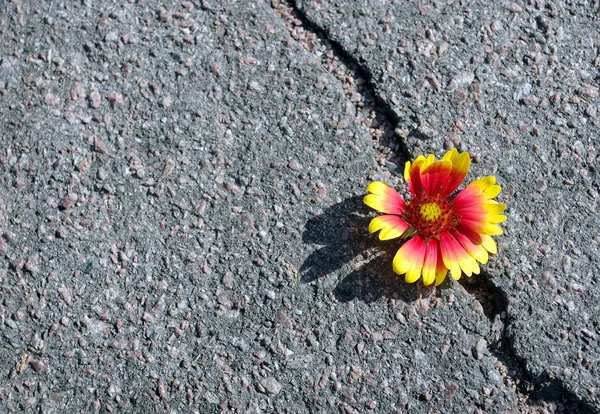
[
  {"x": 409, "y": 259},
  {"x": 430, "y": 264},
  {"x": 475, "y": 250},
  {"x": 456, "y": 257},
  {"x": 489, "y": 244},
  {"x": 476, "y": 210},
  {"x": 435, "y": 176},
  {"x": 468, "y": 198},
  {"x": 491, "y": 229},
  {"x": 492, "y": 191},
  {"x": 412, "y": 172},
  {"x": 391, "y": 226},
  {"x": 384, "y": 198},
  {"x": 451, "y": 254},
  {"x": 472, "y": 226},
  {"x": 493, "y": 207},
  {"x": 450, "y": 155},
  {"x": 407, "y": 168},
  {"x": 414, "y": 185},
  {"x": 470, "y": 267},
  {"x": 473, "y": 236},
  {"x": 487, "y": 186},
  {"x": 441, "y": 272},
  {"x": 497, "y": 219},
  {"x": 460, "y": 167},
  {"x": 474, "y": 214}
]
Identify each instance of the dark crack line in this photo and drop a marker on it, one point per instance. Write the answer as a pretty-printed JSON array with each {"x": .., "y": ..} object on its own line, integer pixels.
[
  {"x": 380, "y": 104},
  {"x": 535, "y": 389},
  {"x": 385, "y": 116}
]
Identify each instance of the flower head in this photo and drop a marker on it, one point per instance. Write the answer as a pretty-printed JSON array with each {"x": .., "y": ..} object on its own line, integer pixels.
[{"x": 443, "y": 231}]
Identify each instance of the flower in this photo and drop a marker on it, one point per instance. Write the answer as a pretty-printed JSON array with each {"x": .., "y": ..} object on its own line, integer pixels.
[{"x": 444, "y": 231}]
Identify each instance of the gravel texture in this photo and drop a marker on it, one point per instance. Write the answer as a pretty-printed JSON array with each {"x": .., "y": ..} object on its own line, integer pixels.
[{"x": 181, "y": 225}]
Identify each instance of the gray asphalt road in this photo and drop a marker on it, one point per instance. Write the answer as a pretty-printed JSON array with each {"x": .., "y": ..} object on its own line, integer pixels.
[
  {"x": 181, "y": 224},
  {"x": 517, "y": 85}
]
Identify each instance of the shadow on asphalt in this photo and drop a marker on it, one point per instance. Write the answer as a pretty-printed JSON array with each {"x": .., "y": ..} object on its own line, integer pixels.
[{"x": 342, "y": 232}]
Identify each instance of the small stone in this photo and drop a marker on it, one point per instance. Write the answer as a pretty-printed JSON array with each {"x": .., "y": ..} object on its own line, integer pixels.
[
  {"x": 66, "y": 203},
  {"x": 130, "y": 39},
  {"x": 165, "y": 16},
  {"x": 100, "y": 146},
  {"x": 425, "y": 48},
  {"x": 115, "y": 98},
  {"x": 589, "y": 91},
  {"x": 200, "y": 208},
  {"x": 167, "y": 101},
  {"x": 61, "y": 232},
  {"x": 65, "y": 294},
  {"x": 95, "y": 99},
  {"x": 84, "y": 164},
  {"x": 78, "y": 91},
  {"x": 270, "y": 385},
  {"x": 169, "y": 167},
  {"x": 38, "y": 366},
  {"x": 24, "y": 362},
  {"x": 113, "y": 390},
  {"x": 228, "y": 280},
  {"x": 294, "y": 165},
  {"x": 111, "y": 36},
  {"x": 377, "y": 336},
  {"x": 461, "y": 80},
  {"x": 51, "y": 99},
  {"x": 588, "y": 334},
  {"x": 479, "y": 349},
  {"x": 33, "y": 264},
  {"x": 514, "y": 8},
  {"x": 160, "y": 389},
  {"x": 496, "y": 26}
]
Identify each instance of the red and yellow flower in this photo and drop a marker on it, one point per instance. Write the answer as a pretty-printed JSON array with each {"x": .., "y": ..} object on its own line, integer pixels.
[{"x": 444, "y": 231}]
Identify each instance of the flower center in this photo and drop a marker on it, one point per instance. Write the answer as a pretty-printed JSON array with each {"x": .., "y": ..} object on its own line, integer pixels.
[
  {"x": 430, "y": 211},
  {"x": 428, "y": 216}
]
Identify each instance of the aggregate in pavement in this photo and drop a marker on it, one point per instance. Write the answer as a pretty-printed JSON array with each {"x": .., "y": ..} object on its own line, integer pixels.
[
  {"x": 182, "y": 229},
  {"x": 515, "y": 84}
]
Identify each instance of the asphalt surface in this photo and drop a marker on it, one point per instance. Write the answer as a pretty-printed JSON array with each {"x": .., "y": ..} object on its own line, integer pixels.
[
  {"x": 181, "y": 224},
  {"x": 517, "y": 85}
]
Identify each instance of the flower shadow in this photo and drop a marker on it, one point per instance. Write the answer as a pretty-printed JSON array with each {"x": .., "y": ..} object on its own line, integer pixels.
[{"x": 341, "y": 231}]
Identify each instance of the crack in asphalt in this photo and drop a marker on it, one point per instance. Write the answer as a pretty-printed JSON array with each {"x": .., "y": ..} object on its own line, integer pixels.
[
  {"x": 356, "y": 81},
  {"x": 388, "y": 140},
  {"x": 537, "y": 390}
]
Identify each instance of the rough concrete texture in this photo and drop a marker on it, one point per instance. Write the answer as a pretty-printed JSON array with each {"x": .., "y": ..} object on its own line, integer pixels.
[
  {"x": 181, "y": 220},
  {"x": 516, "y": 84}
]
